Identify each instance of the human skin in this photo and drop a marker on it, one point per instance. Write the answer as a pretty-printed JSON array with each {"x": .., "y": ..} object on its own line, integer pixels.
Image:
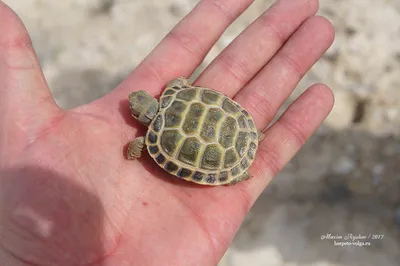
[{"x": 68, "y": 194}]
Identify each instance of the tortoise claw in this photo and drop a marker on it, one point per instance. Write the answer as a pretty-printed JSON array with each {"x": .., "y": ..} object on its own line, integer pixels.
[{"x": 261, "y": 135}]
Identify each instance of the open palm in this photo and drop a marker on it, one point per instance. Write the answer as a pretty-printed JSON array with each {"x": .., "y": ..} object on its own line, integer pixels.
[{"x": 68, "y": 194}]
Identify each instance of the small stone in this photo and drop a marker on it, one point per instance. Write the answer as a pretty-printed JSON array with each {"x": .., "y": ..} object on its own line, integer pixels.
[
  {"x": 175, "y": 9},
  {"x": 343, "y": 166},
  {"x": 392, "y": 114}
]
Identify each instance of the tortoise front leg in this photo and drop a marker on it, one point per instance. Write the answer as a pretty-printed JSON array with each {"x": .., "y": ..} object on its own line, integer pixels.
[
  {"x": 177, "y": 82},
  {"x": 135, "y": 148}
]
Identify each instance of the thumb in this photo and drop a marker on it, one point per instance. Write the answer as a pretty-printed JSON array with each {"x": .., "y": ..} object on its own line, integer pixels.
[{"x": 26, "y": 104}]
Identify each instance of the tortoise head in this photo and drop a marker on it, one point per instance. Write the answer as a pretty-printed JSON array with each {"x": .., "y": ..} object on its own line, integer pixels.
[{"x": 143, "y": 106}]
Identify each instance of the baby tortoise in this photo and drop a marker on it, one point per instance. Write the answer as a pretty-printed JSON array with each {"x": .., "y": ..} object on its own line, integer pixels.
[{"x": 195, "y": 133}]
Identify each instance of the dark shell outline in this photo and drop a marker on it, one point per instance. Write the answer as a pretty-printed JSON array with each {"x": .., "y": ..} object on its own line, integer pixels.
[{"x": 207, "y": 172}]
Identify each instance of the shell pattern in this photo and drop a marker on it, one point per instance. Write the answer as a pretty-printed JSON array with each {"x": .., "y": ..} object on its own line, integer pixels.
[{"x": 202, "y": 136}]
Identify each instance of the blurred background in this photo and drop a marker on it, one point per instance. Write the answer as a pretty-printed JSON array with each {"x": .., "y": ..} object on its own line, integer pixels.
[{"x": 346, "y": 180}]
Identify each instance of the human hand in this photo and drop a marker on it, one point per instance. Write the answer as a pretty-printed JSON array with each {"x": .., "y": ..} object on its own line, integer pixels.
[{"x": 68, "y": 194}]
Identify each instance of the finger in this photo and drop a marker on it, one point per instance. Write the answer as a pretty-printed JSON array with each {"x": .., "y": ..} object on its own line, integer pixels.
[
  {"x": 184, "y": 48},
  {"x": 286, "y": 136},
  {"x": 252, "y": 49},
  {"x": 26, "y": 102},
  {"x": 269, "y": 89}
]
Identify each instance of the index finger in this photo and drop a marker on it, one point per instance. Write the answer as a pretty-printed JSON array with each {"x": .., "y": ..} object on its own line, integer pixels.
[{"x": 184, "y": 48}]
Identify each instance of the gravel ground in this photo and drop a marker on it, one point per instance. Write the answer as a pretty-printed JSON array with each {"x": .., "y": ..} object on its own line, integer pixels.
[{"x": 345, "y": 180}]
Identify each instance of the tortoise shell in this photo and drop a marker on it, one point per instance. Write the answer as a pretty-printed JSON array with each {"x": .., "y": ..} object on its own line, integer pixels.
[{"x": 201, "y": 135}]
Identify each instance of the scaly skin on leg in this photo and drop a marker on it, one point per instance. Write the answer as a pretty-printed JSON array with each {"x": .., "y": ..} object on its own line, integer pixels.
[
  {"x": 135, "y": 148},
  {"x": 260, "y": 135},
  {"x": 244, "y": 176},
  {"x": 177, "y": 82}
]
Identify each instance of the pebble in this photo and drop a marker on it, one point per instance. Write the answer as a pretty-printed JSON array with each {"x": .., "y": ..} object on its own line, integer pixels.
[{"x": 343, "y": 166}]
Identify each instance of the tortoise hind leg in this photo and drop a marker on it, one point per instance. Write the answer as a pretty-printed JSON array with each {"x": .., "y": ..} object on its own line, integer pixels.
[
  {"x": 260, "y": 135},
  {"x": 135, "y": 148},
  {"x": 244, "y": 176}
]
